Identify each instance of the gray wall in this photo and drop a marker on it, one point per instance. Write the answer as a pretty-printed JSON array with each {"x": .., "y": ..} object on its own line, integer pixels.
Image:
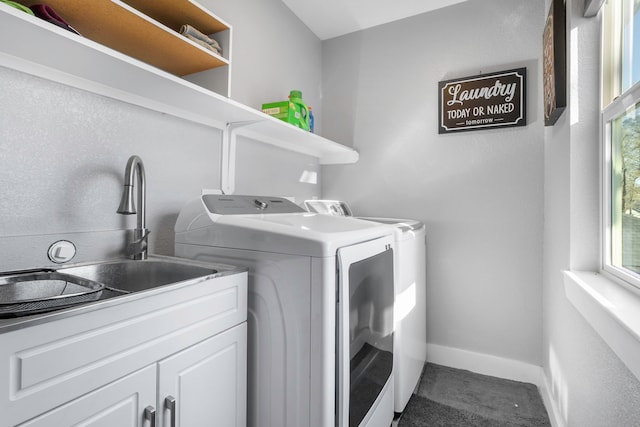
[
  {"x": 63, "y": 151},
  {"x": 480, "y": 193},
  {"x": 273, "y": 52},
  {"x": 589, "y": 384}
]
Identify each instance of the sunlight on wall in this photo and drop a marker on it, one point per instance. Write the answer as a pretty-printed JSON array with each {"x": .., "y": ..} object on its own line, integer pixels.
[
  {"x": 559, "y": 390},
  {"x": 574, "y": 94},
  {"x": 309, "y": 177}
]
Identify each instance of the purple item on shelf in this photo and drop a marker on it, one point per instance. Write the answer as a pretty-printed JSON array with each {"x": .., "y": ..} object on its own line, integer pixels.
[{"x": 45, "y": 12}]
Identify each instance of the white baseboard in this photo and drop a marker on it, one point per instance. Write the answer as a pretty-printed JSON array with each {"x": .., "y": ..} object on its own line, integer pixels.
[
  {"x": 495, "y": 366},
  {"x": 485, "y": 364},
  {"x": 551, "y": 405}
]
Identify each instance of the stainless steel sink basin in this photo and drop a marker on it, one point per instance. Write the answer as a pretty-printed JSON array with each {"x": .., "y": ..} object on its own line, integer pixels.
[
  {"x": 40, "y": 291},
  {"x": 139, "y": 275}
]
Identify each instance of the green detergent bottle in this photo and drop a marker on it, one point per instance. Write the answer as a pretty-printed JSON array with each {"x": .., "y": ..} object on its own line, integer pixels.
[
  {"x": 293, "y": 111},
  {"x": 301, "y": 112}
]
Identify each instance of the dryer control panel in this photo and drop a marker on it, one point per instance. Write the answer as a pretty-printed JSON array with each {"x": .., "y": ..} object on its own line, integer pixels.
[
  {"x": 244, "y": 205},
  {"x": 328, "y": 207}
]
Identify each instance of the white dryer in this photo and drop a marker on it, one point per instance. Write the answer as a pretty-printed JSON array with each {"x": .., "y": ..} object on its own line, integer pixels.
[
  {"x": 320, "y": 324},
  {"x": 410, "y": 338}
]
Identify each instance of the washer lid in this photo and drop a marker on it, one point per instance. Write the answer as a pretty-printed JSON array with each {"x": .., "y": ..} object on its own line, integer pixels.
[{"x": 279, "y": 227}]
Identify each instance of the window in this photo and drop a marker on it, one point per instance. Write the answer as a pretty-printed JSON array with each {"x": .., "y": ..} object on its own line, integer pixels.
[{"x": 621, "y": 134}]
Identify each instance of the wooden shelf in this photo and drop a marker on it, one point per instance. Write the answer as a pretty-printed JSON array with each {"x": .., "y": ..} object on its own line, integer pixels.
[
  {"x": 47, "y": 51},
  {"x": 175, "y": 13},
  {"x": 128, "y": 30}
]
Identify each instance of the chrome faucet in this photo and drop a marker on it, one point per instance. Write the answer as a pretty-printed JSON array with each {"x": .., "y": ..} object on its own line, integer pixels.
[{"x": 137, "y": 248}]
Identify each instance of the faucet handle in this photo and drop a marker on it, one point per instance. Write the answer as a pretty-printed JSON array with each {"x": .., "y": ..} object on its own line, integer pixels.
[{"x": 138, "y": 247}]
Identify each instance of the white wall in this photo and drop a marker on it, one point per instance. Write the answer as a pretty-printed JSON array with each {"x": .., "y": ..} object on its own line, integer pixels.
[
  {"x": 63, "y": 151},
  {"x": 590, "y": 386},
  {"x": 480, "y": 193}
]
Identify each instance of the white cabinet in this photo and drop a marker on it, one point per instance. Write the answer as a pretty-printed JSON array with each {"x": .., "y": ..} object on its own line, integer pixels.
[
  {"x": 204, "y": 385},
  {"x": 121, "y": 403},
  {"x": 105, "y": 366}
]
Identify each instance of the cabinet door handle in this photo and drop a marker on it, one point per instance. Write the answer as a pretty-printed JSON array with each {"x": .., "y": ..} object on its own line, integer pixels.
[
  {"x": 170, "y": 404},
  {"x": 150, "y": 415}
]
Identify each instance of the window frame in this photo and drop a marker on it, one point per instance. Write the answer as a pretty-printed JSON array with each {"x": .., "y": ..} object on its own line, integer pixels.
[
  {"x": 616, "y": 109},
  {"x": 614, "y": 105},
  {"x": 608, "y": 303}
]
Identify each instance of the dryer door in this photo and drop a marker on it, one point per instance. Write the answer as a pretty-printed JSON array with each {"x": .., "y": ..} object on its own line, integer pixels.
[{"x": 365, "y": 329}]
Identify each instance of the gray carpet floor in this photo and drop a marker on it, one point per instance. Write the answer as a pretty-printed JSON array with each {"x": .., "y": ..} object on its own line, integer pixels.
[{"x": 458, "y": 398}]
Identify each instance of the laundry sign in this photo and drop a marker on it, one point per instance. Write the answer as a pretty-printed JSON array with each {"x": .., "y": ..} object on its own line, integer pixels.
[{"x": 484, "y": 101}]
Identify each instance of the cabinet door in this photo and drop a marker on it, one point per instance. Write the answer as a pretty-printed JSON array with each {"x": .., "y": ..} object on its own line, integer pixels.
[
  {"x": 208, "y": 382},
  {"x": 121, "y": 403}
]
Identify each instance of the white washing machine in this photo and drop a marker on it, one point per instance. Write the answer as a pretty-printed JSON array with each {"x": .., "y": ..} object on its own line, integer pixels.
[
  {"x": 410, "y": 338},
  {"x": 320, "y": 324}
]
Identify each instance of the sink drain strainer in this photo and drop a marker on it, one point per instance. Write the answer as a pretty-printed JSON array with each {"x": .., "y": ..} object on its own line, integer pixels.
[{"x": 36, "y": 292}]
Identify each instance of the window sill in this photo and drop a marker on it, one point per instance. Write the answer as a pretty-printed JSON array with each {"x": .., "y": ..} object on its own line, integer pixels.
[{"x": 611, "y": 310}]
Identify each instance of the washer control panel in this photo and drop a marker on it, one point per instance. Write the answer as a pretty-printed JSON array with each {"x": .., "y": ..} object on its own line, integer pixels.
[{"x": 244, "y": 205}]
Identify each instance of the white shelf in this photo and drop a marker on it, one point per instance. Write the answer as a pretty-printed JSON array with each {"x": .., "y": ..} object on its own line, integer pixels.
[
  {"x": 35, "y": 47},
  {"x": 273, "y": 131}
]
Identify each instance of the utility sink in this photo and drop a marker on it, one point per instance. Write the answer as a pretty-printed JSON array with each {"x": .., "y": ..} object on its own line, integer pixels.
[
  {"x": 41, "y": 291},
  {"x": 139, "y": 275}
]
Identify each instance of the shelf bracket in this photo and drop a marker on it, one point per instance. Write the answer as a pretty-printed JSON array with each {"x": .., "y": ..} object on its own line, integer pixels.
[{"x": 228, "y": 155}]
